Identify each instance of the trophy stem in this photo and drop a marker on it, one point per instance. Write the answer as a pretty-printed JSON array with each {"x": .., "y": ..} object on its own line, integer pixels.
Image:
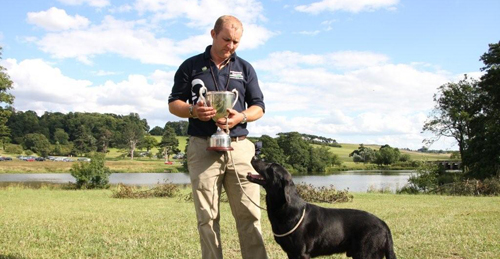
[{"x": 221, "y": 141}]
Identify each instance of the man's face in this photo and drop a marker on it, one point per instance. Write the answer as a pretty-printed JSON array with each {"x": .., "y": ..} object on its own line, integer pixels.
[{"x": 226, "y": 42}]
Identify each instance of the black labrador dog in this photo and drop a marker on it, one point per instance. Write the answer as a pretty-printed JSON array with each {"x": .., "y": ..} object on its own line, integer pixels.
[{"x": 304, "y": 230}]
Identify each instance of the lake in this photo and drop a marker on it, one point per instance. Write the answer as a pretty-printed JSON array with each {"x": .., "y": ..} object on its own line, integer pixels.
[{"x": 355, "y": 181}]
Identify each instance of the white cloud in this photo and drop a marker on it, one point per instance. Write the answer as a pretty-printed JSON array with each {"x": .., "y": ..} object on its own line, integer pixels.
[
  {"x": 201, "y": 15},
  {"x": 94, "y": 3},
  {"x": 112, "y": 36},
  {"x": 105, "y": 73},
  {"x": 37, "y": 83},
  {"x": 355, "y": 59},
  {"x": 344, "y": 60},
  {"x": 41, "y": 87},
  {"x": 137, "y": 39},
  {"x": 347, "y": 95},
  {"x": 346, "y": 5},
  {"x": 328, "y": 24},
  {"x": 56, "y": 19},
  {"x": 121, "y": 9}
]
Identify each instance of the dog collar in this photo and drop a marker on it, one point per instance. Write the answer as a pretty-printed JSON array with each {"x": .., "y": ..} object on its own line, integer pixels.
[{"x": 296, "y": 226}]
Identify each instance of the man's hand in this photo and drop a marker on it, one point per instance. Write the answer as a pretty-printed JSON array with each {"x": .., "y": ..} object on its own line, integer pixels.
[
  {"x": 234, "y": 118},
  {"x": 203, "y": 113}
]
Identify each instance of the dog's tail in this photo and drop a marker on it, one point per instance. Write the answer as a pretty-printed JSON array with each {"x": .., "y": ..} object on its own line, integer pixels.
[{"x": 389, "y": 247}]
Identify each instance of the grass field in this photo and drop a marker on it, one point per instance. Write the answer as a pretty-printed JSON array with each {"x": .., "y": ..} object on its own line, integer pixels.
[{"x": 45, "y": 223}]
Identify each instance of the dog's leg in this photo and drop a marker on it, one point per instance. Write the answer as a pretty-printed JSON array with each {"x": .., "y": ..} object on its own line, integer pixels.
[{"x": 373, "y": 244}]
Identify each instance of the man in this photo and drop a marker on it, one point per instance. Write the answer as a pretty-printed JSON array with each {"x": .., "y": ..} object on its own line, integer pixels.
[{"x": 221, "y": 70}]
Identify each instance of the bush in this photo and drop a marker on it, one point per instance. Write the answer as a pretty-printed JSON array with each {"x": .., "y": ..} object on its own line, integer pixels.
[
  {"x": 431, "y": 178},
  {"x": 323, "y": 194},
  {"x": 425, "y": 180},
  {"x": 61, "y": 150},
  {"x": 14, "y": 149},
  {"x": 93, "y": 174},
  {"x": 487, "y": 187},
  {"x": 163, "y": 190}
]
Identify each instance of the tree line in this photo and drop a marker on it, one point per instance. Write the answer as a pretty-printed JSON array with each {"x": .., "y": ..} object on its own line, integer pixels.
[{"x": 77, "y": 133}]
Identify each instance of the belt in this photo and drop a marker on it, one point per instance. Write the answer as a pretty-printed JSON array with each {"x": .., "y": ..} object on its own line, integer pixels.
[{"x": 240, "y": 138}]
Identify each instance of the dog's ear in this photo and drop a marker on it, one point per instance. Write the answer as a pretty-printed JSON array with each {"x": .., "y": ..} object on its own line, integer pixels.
[{"x": 287, "y": 193}]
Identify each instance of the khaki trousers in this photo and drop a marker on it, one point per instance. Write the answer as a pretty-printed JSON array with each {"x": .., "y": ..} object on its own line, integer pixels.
[{"x": 209, "y": 171}]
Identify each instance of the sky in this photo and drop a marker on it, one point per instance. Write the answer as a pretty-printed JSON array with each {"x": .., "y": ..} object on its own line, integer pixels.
[{"x": 361, "y": 71}]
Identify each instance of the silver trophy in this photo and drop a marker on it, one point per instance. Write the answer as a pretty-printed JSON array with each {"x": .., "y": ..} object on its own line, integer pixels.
[{"x": 220, "y": 101}]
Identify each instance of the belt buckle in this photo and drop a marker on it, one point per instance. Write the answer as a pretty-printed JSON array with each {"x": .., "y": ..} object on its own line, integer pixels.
[{"x": 240, "y": 138}]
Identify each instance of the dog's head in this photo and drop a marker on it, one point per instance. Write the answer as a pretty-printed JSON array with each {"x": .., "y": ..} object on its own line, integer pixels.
[{"x": 275, "y": 179}]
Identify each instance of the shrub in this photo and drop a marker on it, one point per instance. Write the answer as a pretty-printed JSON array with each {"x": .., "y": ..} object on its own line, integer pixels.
[
  {"x": 93, "y": 174},
  {"x": 431, "y": 178},
  {"x": 323, "y": 194},
  {"x": 163, "y": 190},
  {"x": 14, "y": 149},
  {"x": 426, "y": 179},
  {"x": 487, "y": 187}
]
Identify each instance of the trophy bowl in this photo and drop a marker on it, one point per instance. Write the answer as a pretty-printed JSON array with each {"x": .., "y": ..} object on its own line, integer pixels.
[{"x": 220, "y": 101}]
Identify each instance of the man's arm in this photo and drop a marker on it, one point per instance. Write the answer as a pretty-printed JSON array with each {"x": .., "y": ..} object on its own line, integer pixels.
[{"x": 181, "y": 109}]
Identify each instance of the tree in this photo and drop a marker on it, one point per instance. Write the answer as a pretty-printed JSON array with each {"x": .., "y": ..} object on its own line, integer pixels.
[
  {"x": 84, "y": 142},
  {"x": 363, "y": 154},
  {"x": 149, "y": 142},
  {"x": 23, "y": 123},
  {"x": 483, "y": 155},
  {"x": 5, "y": 99},
  {"x": 133, "y": 132},
  {"x": 271, "y": 151},
  {"x": 180, "y": 127},
  {"x": 105, "y": 136},
  {"x": 321, "y": 158},
  {"x": 156, "y": 131},
  {"x": 387, "y": 155},
  {"x": 296, "y": 150},
  {"x": 169, "y": 143},
  {"x": 37, "y": 143},
  {"x": 93, "y": 174},
  {"x": 454, "y": 110},
  {"x": 61, "y": 136}
]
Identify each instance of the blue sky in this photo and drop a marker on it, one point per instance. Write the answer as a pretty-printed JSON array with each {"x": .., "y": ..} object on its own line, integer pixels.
[{"x": 357, "y": 71}]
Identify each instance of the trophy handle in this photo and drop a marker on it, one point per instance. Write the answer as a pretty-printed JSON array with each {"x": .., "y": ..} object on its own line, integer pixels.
[
  {"x": 235, "y": 92},
  {"x": 203, "y": 90}
]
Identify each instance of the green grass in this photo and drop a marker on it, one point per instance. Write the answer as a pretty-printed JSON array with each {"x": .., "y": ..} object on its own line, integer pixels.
[{"x": 48, "y": 223}]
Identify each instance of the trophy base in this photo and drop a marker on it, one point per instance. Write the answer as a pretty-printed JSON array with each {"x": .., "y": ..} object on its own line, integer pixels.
[{"x": 220, "y": 148}]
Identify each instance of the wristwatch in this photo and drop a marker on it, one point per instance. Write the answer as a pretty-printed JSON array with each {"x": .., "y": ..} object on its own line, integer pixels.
[
  {"x": 191, "y": 112},
  {"x": 244, "y": 118}
]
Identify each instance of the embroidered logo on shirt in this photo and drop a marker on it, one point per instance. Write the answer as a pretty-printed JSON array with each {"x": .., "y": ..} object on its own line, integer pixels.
[{"x": 236, "y": 75}]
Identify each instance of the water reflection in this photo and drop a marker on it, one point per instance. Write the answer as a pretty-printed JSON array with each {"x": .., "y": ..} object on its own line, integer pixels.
[{"x": 355, "y": 181}]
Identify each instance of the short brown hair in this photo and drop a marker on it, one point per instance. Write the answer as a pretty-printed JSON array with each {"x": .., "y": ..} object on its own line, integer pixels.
[{"x": 225, "y": 19}]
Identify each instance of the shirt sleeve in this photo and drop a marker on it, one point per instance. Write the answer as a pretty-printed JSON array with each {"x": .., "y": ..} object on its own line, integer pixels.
[
  {"x": 253, "y": 94},
  {"x": 182, "y": 85}
]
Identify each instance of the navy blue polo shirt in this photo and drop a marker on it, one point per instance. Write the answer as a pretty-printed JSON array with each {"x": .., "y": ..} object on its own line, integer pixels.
[{"x": 241, "y": 76}]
